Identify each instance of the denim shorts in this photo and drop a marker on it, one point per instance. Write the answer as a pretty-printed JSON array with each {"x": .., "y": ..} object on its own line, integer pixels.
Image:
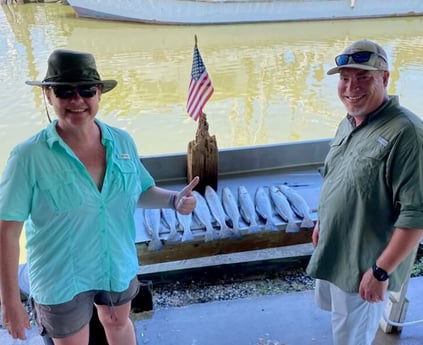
[{"x": 66, "y": 319}]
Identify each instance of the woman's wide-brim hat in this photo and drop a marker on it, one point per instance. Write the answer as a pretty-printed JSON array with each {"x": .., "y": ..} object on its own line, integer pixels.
[{"x": 69, "y": 67}]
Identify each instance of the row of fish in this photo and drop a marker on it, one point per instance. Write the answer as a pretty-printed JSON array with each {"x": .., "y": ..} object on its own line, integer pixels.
[{"x": 227, "y": 216}]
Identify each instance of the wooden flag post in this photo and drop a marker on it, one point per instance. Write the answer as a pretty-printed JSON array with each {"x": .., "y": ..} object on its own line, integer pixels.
[{"x": 203, "y": 157}]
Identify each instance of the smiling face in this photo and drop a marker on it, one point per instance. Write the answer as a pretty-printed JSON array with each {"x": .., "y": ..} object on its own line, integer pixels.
[
  {"x": 74, "y": 111},
  {"x": 361, "y": 91}
]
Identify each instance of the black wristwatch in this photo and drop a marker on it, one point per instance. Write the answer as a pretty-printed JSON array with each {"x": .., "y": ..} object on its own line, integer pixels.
[{"x": 379, "y": 273}]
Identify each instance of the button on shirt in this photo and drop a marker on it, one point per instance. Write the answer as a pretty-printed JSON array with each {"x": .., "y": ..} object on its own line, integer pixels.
[{"x": 78, "y": 237}]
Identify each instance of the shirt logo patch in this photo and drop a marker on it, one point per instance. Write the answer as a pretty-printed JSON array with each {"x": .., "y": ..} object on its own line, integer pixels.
[
  {"x": 382, "y": 141},
  {"x": 124, "y": 156}
]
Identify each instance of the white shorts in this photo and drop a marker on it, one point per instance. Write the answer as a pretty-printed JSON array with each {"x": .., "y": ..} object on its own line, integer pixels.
[{"x": 354, "y": 320}]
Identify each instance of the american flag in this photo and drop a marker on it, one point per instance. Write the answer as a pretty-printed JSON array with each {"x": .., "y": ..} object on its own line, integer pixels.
[{"x": 200, "y": 87}]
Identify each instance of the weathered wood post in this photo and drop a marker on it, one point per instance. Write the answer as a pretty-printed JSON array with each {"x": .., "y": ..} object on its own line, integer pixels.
[{"x": 203, "y": 157}]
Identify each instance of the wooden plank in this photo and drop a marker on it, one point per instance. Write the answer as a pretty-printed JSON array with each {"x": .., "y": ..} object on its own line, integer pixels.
[{"x": 197, "y": 249}]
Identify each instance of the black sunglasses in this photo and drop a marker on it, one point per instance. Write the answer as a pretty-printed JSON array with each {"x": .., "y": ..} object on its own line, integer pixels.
[
  {"x": 67, "y": 91},
  {"x": 358, "y": 57}
]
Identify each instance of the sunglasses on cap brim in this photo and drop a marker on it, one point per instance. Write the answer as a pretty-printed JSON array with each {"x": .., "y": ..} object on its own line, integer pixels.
[
  {"x": 358, "y": 57},
  {"x": 68, "y": 91}
]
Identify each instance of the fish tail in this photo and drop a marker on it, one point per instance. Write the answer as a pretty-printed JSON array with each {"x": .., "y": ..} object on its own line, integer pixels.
[
  {"x": 174, "y": 237},
  {"x": 210, "y": 235},
  {"x": 292, "y": 227},
  {"x": 237, "y": 233},
  {"x": 253, "y": 228},
  {"x": 155, "y": 244},
  {"x": 225, "y": 232},
  {"x": 307, "y": 223},
  {"x": 187, "y": 236},
  {"x": 270, "y": 226}
]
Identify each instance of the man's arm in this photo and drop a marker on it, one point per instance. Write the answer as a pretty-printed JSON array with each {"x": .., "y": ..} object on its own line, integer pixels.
[{"x": 402, "y": 243}]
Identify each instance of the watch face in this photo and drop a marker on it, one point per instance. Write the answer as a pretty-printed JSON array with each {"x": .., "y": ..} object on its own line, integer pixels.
[{"x": 379, "y": 273}]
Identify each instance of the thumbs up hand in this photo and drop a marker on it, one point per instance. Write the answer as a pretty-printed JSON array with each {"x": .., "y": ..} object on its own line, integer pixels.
[{"x": 185, "y": 201}]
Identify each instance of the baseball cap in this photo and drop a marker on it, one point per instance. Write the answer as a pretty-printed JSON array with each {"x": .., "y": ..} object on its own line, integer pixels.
[{"x": 362, "y": 54}]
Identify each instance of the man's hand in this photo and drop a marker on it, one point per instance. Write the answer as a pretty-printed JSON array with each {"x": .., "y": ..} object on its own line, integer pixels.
[
  {"x": 371, "y": 289},
  {"x": 315, "y": 235}
]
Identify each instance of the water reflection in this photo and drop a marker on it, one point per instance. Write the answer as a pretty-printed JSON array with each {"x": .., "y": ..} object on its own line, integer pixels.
[{"x": 270, "y": 82}]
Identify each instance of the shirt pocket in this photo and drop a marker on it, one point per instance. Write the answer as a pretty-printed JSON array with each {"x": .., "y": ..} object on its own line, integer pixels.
[
  {"x": 365, "y": 167},
  {"x": 334, "y": 155},
  {"x": 61, "y": 191},
  {"x": 126, "y": 177}
]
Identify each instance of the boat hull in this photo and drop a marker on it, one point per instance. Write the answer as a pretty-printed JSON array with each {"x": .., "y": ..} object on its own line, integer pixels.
[{"x": 242, "y": 11}]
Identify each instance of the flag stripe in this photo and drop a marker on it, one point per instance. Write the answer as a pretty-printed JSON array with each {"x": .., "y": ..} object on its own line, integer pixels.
[{"x": 200, "y": 87}]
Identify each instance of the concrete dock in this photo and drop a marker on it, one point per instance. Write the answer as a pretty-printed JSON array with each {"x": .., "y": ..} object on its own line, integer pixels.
[{"x": 286, "y": 319}]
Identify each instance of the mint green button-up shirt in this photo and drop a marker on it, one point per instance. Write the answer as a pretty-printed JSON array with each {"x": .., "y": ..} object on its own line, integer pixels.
[{"x": 78, "y": 237}]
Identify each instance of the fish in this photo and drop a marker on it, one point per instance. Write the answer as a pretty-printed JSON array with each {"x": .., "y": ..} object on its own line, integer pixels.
[
  {"x": 185, "y": 221},
  {"x": 169, "y": 218},
  {"x": 283, "y": 208},
  {"x": 231, "y": 208},
  {"x": 299, "y": 206},
  {"x": 264, "y": 207},
  {"x": 152, "y": 224},
  {"x": 202, "y": 213},
  {"x": 247, "y": 209},
  {"x": 217, "y": 211}
]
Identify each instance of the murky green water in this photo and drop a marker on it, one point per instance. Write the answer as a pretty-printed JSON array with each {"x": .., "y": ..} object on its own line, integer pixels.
[
  {"x": 270, "y": 82},
  {"x": 269, "y": 79}
]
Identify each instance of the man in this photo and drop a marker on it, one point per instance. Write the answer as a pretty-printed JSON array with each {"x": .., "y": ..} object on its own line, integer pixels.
[
  {"x": 76, "y": 184},
  {"x": 371, "y": 202}
]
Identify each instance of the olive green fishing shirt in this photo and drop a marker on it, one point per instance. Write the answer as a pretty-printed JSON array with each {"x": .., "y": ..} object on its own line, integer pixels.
[{"x": 373, "y": 182}]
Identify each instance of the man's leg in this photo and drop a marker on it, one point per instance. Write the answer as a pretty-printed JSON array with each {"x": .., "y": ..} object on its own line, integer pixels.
[{"x": 354, "y": 321}]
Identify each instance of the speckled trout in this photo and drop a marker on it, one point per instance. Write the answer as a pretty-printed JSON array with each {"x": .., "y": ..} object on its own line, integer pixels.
[
  {"x": 247, "y": 209},
  {"x": 169, "y": 217},
  {"x": 152, "y": 224},
  {"x": 264, "y": 207},
  {"x": 185, "y": 221},
  {"x": 283, "y": 208},
  {"x": 231, "y": 208},
  {"x": 218, "y": 212},
  {"x": 299, "y": 205},
  {"x": 202, "y": 213}
]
